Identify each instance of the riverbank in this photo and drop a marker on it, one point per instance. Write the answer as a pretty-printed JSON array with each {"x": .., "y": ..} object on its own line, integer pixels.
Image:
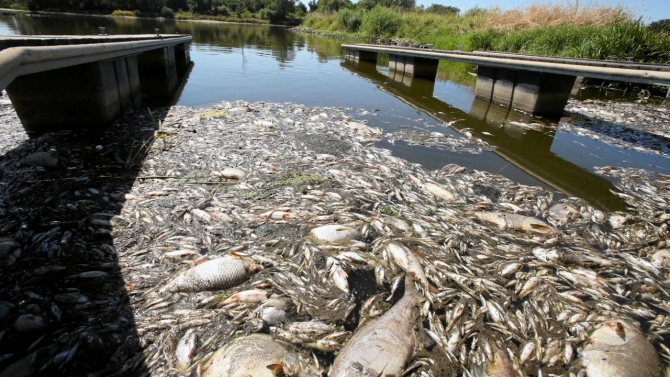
[
  {"x": 94, "y": 224},
  {"x": 560, "y": 30}
]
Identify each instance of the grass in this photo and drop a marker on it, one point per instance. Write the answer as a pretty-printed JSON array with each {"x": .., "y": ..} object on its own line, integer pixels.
[{"x": 588, "y": 30}]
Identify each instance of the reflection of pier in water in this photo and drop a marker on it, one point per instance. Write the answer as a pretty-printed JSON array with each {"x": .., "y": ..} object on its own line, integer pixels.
[{"x": 526, "y": 148}]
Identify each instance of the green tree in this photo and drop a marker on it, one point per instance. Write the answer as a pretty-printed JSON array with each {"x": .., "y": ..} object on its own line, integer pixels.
[
  {"x": 332, "y": 6},
  {"x": 660, "y": 26},
  {"x": 366, "y": 4},
  {"x": 442, "y": 9},
  {"x": 277, "y": 10},
  {"x": 301, "y": 9}
]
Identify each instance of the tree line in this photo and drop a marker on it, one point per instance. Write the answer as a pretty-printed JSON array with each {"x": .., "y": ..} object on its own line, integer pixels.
[{"x": 272, "y": 10}]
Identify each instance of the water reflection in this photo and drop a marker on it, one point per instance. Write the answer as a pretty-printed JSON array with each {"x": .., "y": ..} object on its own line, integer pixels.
[
  {"x": 515, "y": 135},
  {"x": 223, "y": 37}
]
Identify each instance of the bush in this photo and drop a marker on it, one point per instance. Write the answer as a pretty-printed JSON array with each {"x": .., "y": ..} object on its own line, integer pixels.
[
  {"x": 167, "y": 12},
  {"x": 126, "y": 13},
  {"x": 351, "y": 19},
  {"x": 381, "y": 22}
]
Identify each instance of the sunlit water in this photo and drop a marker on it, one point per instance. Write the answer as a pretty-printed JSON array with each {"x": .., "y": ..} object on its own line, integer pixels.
[{"x": 261, "y": 63}]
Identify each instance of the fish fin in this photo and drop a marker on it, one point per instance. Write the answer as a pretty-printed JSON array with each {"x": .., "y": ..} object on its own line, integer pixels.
[
  {"x": 277, "y": 370},
  {"x": 235, "y": 255},
  {"x": 541, "y": 227}
]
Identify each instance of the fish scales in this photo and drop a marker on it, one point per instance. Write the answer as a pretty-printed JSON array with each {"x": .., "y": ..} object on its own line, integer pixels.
[
  {"x": 219, "y": 273},
  {"x": 383, "y": 347}
]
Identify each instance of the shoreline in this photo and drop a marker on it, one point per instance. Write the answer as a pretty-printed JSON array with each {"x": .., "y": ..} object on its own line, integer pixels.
[{"x": 124, "y": 210}]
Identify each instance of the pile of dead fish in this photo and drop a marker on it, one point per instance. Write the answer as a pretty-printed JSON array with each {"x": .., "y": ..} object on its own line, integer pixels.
[
  {"x": 276, "y": 239},
  {"x": 626, "y": 125}
]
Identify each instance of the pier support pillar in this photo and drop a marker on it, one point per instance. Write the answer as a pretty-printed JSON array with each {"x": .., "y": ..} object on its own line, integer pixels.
[
  {"x": 182, "y": 54},
  {"x": 414, "y": 67},
  {"x": 533, "y": 92},
  {"x": 405, "y": 68},
  {"x": 579, "y": 81},
  {"x": 360, "y": 56},
  {"x": 158, "y": 75},
  {"x": 81, "y": 96}
]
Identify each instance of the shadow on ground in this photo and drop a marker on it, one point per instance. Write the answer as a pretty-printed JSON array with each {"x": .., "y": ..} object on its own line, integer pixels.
[{"x": 63, "y": 303}]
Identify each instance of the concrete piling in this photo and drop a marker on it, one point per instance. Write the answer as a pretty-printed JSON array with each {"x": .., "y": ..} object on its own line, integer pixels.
[{"x": 81, "y": 82}]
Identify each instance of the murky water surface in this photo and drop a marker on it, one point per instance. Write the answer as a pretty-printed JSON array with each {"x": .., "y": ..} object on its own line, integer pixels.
[{"x": 260, "y": 63}]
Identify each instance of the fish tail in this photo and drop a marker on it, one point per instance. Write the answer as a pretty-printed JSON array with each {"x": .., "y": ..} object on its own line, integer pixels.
[{"x": 411, "y": 289}]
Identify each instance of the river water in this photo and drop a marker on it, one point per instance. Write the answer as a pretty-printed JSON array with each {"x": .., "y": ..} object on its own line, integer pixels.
[{"x": 262, "y": 63}]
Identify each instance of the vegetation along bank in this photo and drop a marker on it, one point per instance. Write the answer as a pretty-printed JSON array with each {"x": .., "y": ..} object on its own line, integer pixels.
[{"x": 588, "y": 30}]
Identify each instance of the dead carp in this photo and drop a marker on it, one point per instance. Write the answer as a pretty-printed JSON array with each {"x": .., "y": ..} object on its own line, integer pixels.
[
  {"x": 219, "y": 273},
  {"x": 333, "y": 234},
  {"x": 515, "y": 222},
  {"x": 619, "y": 348},
  {"x": 259, "y": 356},
  {"x": 383, "y": 347}
]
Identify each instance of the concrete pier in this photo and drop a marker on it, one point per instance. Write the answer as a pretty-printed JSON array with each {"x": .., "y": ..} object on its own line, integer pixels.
[
  {"x": 75, "y": 97},
  {"x": 360, "y": 56},
  {"x": 414, "y": 67},
  {"x": 533, "y": 92},
  {"x": 89, "y": 85},
  {"x": 538, "y": 85}
]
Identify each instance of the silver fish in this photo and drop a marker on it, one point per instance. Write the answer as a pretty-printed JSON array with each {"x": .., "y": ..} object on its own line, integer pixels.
[
  {"x": 219, "y": 273},
  {"x": 515, "y": 222},
  {"x": 185, "y": 351},
  {"x": 383, "y": 347}
]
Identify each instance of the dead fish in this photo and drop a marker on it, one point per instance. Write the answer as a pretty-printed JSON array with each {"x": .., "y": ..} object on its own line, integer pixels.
[
  {"x": 29, "y": 322},
  {"x": 563, "y": 212},
  {"x": 361, "y": 128},
  {"x": 499, "y": 365},
  {"x": 259, "y": 356},
  {"x": 337, "y": 274},
  {"x": 333, "y": 234},
  {"x": 41, "y": 159},
  {"x": 617, "y": 221},
  {"x": 250, "y": 296},
  {"x": 406, "y": 259},
  {"x": 439, "y": 191},
  {"x": 515, "y": 222},
  {"x": 219, "y": 273},
  {"x": 185, "y": 351},
  {"x": 273, "y": 311},
  {"x": 619, "y": 348},
  {"x": 661, "y": 258},
  {"x": 383, "y": 347},
  {"x": 231, "y": 173}
]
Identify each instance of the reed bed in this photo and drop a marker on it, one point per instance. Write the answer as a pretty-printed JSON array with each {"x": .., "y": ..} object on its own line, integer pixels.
[
  {"x": 588, "y": 30},
  {"x": 540, "y": 14}
]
